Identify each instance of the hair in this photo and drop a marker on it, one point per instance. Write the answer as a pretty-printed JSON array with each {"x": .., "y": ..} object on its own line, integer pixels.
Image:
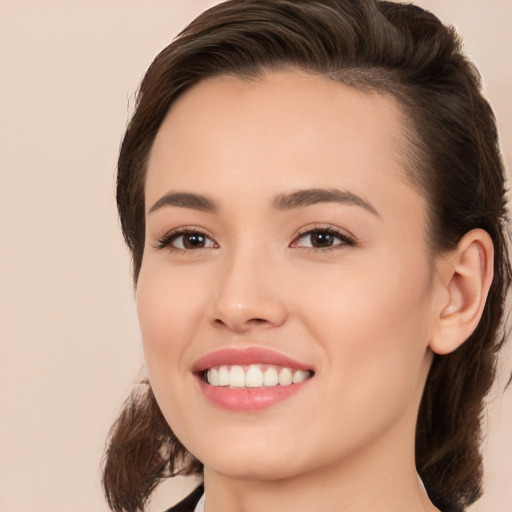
[{"x": 374, "y": 46}]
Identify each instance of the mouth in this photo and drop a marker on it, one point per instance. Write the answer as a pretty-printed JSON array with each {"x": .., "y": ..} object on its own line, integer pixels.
[
  {"x": 254, "y": 376},
  {"x": 250, "y": 379}
]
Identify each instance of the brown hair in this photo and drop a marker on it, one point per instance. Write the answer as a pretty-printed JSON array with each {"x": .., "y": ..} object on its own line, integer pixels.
[{"x": 390, "y": 48}]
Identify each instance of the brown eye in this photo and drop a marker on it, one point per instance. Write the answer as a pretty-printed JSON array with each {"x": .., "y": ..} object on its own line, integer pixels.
[
  {"x": 190, "y": 241},
  {"x": 323, "y": 239},
  {"x": 186, "y": 240}
]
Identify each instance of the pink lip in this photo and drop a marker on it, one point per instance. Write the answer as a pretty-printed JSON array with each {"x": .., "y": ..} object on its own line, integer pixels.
[
  {"x": 231, "y": 356},
  {"x": 247, "y": 399}
]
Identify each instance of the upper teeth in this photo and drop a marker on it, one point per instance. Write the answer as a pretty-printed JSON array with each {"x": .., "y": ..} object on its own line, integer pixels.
[{"x": 254, "y": 376}]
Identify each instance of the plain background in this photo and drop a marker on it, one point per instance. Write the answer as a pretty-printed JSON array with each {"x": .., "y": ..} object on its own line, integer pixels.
[{"x": 70, "y": 347}]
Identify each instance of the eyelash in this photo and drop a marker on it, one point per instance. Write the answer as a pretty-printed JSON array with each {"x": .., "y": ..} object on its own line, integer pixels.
[
  {"x": 167, "y": 240},
  {"x": 345, "y": 240}
]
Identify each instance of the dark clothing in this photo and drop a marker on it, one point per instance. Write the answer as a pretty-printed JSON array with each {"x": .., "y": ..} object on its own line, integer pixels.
[{"x": 190, "y": 502}]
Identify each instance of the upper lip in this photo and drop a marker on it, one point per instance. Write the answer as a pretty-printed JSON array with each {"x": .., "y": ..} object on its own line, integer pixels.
[{"x": 246, "y": 356}]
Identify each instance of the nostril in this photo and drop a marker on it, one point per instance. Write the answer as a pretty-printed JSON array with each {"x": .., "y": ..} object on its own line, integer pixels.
[
  {"x": 254, "y": 323},
  {"x": 241, "y": 325}
]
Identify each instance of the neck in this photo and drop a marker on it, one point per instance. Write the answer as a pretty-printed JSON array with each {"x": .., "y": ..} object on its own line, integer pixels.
[{"x": 365, "y": 482}]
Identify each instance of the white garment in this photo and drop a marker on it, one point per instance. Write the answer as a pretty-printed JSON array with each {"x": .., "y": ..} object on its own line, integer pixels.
[{"x": 200, "y": 505}]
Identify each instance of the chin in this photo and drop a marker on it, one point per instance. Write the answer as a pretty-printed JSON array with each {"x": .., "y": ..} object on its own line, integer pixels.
[
  {"x": 254, "y": 468},
  {"x": 258, "y": 458}
]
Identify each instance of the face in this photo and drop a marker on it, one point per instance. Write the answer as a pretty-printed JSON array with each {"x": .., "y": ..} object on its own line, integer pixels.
[{"x": 286, "y": 292}]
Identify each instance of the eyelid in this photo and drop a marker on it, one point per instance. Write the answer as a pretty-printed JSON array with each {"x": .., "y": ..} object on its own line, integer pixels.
[
  {"x": 165, "y": 241},
  {"x": 346, "y": 238}
]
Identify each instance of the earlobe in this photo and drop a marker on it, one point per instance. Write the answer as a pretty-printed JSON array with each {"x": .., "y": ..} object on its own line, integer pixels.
[{"x": 468, "y": 272}]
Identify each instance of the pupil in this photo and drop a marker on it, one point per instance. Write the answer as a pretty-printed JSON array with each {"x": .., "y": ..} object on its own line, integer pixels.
[
  {"x": 321, "y": 239},
  {"x": 193, "y": 241}
]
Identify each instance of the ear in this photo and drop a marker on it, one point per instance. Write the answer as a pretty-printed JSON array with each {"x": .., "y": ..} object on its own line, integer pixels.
[{"x": 465, "y": 277}]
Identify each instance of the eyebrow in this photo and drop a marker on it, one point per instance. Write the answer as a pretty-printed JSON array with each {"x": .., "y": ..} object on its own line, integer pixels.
[
  {"x": 185, "y": 200},
  {"x": 308, "y": 197},
  {"x": 282, "y": 202}
]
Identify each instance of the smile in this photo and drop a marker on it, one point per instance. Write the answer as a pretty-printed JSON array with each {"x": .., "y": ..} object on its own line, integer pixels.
[
  {"x": 254, "y": 376},
  {"x": 250, "y": 379}
]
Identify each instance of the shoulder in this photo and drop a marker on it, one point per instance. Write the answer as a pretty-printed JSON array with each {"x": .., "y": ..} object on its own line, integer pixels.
[{"x": 190, "y": 502}]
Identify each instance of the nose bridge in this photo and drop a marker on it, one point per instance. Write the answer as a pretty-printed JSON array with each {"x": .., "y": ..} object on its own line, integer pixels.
[{"x": 247, "y": 291}]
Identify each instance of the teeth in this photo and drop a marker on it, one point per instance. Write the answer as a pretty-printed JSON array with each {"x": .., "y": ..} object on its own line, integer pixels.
[
  {"x": 285, "y": 377},
  {"x": 270, "y": 377},
  {"x": 254, "y": 376},
  {"x": 213, "y": 377},
  {"x": 300, "y": 376},
  {"x": 237, "y": 377},
  {"x": 223, "y": 376}
]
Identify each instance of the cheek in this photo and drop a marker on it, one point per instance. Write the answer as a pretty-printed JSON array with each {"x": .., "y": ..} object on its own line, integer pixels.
[
  {"x": 382, "y": 299},
  {"x": 375, "y": 336},
  {"x": 168, "y": 307},
  {"x": 375, "y": 341}
]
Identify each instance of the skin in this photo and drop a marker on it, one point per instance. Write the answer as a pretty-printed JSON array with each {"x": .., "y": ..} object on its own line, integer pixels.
[{"x": 363, "y": 314}]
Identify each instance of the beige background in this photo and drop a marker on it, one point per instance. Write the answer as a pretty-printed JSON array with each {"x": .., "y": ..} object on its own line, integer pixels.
[{"x": 69, "y": 338}]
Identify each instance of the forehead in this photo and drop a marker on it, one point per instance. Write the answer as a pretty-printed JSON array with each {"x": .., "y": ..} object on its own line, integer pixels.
[
  {"x": 279, "y": 101},
  {"x": 288, "y": 129}
]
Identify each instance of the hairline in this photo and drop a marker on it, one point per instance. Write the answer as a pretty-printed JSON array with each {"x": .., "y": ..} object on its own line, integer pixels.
[{"x": 406, "y": 146}]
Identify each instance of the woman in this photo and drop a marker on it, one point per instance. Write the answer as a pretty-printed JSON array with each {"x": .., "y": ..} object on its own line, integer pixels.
[{"x": 313, "y": 196}]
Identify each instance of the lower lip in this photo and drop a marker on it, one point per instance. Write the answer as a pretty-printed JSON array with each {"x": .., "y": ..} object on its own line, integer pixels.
[{"x": 248, "y": 399}]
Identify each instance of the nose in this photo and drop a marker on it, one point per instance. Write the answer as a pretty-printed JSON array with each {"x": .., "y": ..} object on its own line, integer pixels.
[{"x": 249, "y": 294}]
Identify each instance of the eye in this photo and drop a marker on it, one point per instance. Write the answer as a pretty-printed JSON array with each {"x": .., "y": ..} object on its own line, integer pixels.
[
  {"x": 185, "y": 240},
  {"x": 323, "y": 238}
]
